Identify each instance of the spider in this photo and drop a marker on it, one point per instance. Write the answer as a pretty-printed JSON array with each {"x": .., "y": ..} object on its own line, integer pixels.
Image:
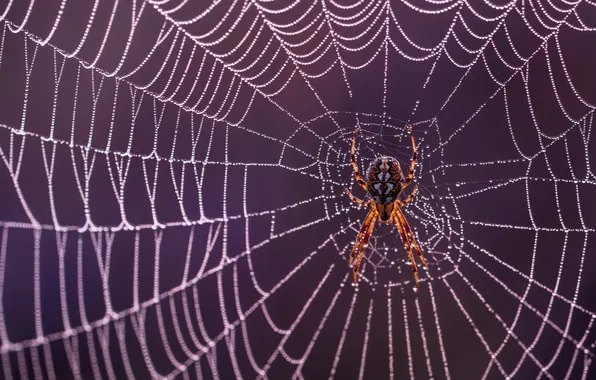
[{"x": 385, "y": 183}]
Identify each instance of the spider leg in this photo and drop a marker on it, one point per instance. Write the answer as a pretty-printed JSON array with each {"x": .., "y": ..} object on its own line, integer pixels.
[
  {"x": 354, "y": 164},
  {"x": 360, "y": 234},
  {"x": 357, "y": 200},
  {"x": 413, "y": 164},
  {"x": 409, "y": 198},
  {"x": 363, "y": 245},
  {"x": 407, "y": 244},
  {"x": 406, "y": 226}
]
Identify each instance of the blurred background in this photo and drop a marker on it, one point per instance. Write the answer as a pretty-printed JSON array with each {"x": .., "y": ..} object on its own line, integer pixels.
[{"x": 173, "y": 179}]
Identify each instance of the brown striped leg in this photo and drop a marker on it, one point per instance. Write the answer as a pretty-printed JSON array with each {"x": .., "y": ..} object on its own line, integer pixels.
[
  {"x": 357, "y": 200},
  {"x": 413, "y": 164},
  {"x": 407, "y": 244},
  {"x": 354, "y": 164},
  {"x": 403, "y": 221},
  {"x": 360, "y": 234},
  {"x": 363, "y": 245},
  {"x": 410, "y": 197}
]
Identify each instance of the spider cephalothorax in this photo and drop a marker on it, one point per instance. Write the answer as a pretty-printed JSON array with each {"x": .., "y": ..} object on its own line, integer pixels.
[{"x": 385, "y": 182}]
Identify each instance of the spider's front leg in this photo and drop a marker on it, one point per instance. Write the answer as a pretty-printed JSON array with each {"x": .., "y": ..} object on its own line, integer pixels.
[
  {"x": 363, "y": 229},
  {"x": 368, "y": 226},
  {"x": 410, "y": 235},
  {"x": 409, "y": 241},
  {"x": 404, "y": 238}
]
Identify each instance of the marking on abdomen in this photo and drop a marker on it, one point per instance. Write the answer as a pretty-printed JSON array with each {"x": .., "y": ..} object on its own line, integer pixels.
[{"x": 383, "y": 176}]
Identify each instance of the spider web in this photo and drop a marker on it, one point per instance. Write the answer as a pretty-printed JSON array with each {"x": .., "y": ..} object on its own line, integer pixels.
[{"x": 174, "y": 175}]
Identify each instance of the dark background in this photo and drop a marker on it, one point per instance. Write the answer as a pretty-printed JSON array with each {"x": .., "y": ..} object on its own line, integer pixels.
[{"x": 173, "y": 189}]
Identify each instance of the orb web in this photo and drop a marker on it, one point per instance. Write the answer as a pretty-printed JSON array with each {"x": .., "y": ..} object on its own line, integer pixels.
[{"x": 173, "y": 189}]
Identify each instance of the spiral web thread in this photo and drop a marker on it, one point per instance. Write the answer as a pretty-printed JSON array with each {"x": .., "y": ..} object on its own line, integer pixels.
[{"x": 151, "y": 219}]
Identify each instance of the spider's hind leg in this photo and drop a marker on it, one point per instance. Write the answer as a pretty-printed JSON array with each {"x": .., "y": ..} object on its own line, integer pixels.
[
  {"x": 413, "y": 163},
  {"x": 355, "y": 164},
  {"x": 358, "y": 200},
  {"x": 410, "y": 197}
]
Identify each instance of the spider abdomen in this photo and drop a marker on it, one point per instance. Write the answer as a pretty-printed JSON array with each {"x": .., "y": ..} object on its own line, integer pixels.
[{"x": 384, "y": 180}]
